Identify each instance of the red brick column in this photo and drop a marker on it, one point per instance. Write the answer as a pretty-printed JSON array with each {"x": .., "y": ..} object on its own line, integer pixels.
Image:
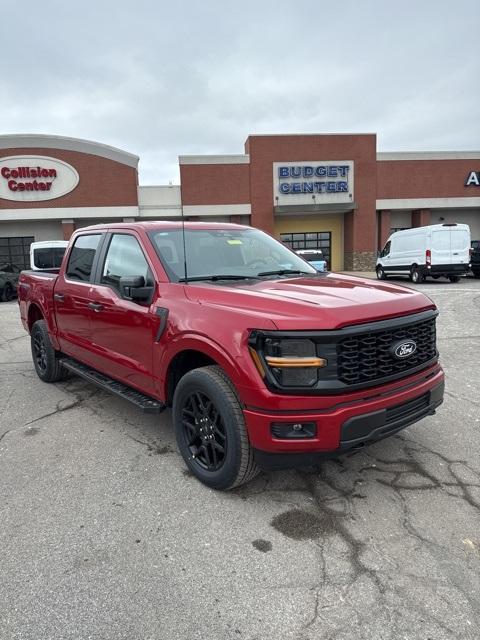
[
  {"x": 383, "y": 227},
  {"x": 68, "y": 227},
  {"x": 421, "y": 217}
]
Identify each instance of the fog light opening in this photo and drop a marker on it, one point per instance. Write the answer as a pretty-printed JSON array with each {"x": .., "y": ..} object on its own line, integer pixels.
[{"x": 293, "y": 430}]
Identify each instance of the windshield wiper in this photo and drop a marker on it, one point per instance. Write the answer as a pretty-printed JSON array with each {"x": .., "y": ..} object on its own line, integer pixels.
[
  {"x": 217, "y": 277},
  {"x": 284, "y": 272}
]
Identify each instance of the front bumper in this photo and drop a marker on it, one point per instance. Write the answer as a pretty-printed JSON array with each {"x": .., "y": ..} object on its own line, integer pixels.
[{"x": 345, "y": 425}]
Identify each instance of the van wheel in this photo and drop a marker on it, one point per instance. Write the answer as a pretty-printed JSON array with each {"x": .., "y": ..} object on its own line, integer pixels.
[
  {"x": 210, "y": 429},
  {"x": 381, "y": 273},
  {"x": 454, "y": 278},
  {"x": 44, "y": 356},
  {"x": 415, "y": 276}
]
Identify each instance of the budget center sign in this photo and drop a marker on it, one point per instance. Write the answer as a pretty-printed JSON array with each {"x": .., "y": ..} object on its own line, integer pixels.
[{"x": 312, "y": 182}]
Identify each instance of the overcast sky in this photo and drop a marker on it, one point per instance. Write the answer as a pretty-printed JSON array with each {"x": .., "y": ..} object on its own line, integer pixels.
[{"x": 163, "y": 79}]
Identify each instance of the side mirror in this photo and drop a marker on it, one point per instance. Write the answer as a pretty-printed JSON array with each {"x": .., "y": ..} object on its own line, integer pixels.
[{"x": 133, "y": 288}]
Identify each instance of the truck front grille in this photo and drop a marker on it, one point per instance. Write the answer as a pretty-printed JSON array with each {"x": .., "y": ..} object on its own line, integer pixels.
[{"x": 367, "y": 357}]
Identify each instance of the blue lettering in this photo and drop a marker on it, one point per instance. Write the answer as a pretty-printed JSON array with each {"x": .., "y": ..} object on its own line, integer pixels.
[
  {"x": 284, "y": 187},
  {"x": 283, "y": 172},
  {"x": 307, "y": 172},
  {"x": 343, "y": 170},
  {"x": 331, "y": 186},
  {"x": 332, "y": 172},
  {"x": 296, "y": 187},
  {"x": 295, "y": 172},
  {"x": 320, "y": 187},
  {"x": 342, "y": 185},
  {"x": 307, "y": 187},
  {"x": 321, "y": 172}
]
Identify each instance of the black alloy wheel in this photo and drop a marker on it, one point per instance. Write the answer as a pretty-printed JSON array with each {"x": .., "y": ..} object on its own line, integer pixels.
[
  {"x": 39, "y": 352},
  {"x": 210, "y": 429},
  {"x": 381, "y": 273},
  {"x": 8, "y": 292},
  {"x": 204, "y": 431}
]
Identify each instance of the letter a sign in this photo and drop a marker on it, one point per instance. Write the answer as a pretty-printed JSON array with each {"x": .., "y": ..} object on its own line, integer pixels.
[{"x": 473, "y": 179}]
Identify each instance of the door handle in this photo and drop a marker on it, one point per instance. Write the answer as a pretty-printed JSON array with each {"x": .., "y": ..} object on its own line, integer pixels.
[
  {"x": 96, "y": 306},
  {"x": 58, "y": 297}
]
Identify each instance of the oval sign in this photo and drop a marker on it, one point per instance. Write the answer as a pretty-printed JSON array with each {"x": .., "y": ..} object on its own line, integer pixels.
[
  {"x": 404, "y": 349},
  {"x": 34, "y": 178}
]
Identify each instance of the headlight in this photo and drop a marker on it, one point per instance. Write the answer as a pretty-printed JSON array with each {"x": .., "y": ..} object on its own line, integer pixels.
[{"x": 293, "y": 362}]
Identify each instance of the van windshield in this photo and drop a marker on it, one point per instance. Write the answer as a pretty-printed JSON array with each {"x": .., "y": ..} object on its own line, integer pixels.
[
  {"x": 48, "y": 257},
  {"x": 237, "y": 253}
]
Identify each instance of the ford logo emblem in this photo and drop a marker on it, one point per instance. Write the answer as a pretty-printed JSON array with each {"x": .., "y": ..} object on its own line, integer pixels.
[{"x": 404, "y": 349}]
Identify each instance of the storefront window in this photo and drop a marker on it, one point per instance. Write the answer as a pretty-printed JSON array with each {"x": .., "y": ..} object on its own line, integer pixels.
[
  {"x": 16, "y": 251},
  {"x": 312, "y": 240}
]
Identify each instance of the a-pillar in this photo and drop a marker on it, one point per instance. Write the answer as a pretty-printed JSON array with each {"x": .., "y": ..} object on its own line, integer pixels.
[
  {"x": 68, "y": 227},
  {"x": 421, "y": 217},
  {"x": 383, "y": 227}
]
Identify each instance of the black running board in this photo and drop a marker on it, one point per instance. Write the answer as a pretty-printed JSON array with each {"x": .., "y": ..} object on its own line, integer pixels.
[{"x": 140, "y": 400}]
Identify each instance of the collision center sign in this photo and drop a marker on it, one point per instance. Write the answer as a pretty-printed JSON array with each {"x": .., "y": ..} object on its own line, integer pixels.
[
  {"x": 34, "y": 178},
  {"x": 314, "y": 182}
]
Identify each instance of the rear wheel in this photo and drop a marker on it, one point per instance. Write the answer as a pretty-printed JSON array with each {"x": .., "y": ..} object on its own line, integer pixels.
[
  {"x": 8, "y": 292},
  {"x": 210, "y": 429},
  {"x": 416, "y": 276},
  {"x": 454, "y": 278},
  {"x": 381, "y": 273},
  {"x": 45, "y": 358}
]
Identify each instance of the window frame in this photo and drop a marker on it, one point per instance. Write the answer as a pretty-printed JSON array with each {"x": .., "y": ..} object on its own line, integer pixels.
[
  {"x": 102, "y": 257},
  {"x": 98, "y": 250}
]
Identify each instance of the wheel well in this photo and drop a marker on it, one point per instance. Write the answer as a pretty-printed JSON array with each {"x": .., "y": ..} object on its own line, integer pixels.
[
  {"x": 181, "y": 364},
  {"x": 34, "y": 314}
]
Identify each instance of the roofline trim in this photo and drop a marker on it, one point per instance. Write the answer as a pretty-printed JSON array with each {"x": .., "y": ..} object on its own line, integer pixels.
[
  {"x": 429, "y": 155},
  {"x": 44, "y": 141},
  {"x": 215, "y": 159}
]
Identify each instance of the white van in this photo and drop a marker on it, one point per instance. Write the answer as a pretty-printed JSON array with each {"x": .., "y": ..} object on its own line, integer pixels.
[
  {"x": 47, "y": 254},
  {"x": 437, "y": 250}
]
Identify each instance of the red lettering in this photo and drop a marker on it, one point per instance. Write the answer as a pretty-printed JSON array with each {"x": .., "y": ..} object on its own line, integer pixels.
[
  {"x": 33, "y": 173},
  {"x": 42, "y": 186},
  {"x": 28, "y": 186},
  {"x": 52, "y": 173},
  {"x": 49, "y": 184},
  {"x": 14, "y": 173},
  {"x": 44, "y": 173},
  {"x": 21, "y": 186},
  {"x": 5, "y": 172},
  {"x": 12, "y": 185}
]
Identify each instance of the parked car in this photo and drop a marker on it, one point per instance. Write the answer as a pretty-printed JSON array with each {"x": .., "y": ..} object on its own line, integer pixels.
[
  {"x": 475, "y": 258},
  {"x": 47, "y": 254},
  {"x": 436, "y": 250},
  {"x": 314, "y": 257},
  {"x": 9, "y": 274},
  {"x": 265, "y": 361}
]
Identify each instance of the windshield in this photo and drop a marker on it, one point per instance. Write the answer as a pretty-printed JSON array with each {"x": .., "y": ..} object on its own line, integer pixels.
[{"x": 230, "y": 252}]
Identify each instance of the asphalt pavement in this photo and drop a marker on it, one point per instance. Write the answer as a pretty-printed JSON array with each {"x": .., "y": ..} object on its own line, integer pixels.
[{"x": 104, "y": 534}]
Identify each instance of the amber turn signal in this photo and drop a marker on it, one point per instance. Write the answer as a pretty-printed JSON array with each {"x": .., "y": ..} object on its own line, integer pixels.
[{"x": 295, "y": 362}]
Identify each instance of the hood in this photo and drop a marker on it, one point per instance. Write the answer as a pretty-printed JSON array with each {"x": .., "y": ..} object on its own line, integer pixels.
[{"x": 331, "y": 301}]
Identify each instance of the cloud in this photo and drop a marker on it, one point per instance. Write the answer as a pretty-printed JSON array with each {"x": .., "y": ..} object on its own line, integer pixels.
[{"x": 161, "y": 80}]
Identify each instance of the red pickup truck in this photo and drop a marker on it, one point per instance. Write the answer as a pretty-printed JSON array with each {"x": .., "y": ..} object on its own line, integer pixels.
[{"x": 265, "y": 361}]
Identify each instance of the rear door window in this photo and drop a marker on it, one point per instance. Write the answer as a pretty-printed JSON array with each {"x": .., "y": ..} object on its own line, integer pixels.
[{"x": 81, "y": 258}]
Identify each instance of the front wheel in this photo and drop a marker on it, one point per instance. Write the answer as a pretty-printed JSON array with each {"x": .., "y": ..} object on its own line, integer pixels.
[
  {"x": 381, "y": 273},
  {"x": 454, "y": 278},
  {"x": 210, "y": 429}
]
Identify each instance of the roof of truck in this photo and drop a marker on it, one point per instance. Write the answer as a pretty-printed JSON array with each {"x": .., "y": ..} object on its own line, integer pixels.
[{"x": 164, "y": 224}]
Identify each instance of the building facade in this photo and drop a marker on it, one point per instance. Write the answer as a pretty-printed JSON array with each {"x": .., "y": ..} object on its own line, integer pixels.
[{"x": 333, "y": 192}]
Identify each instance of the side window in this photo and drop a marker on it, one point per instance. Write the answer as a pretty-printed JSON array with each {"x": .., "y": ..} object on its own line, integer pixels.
[
  {"x": 124, "y": 258},
  {"x": 81, "y": 258},
  {"x": 386, "y": 250}
]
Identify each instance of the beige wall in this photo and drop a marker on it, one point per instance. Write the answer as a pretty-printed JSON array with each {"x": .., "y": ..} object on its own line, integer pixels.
[
  {"x": 46, "y": 230},
  {"x": 305, "y": 224}
]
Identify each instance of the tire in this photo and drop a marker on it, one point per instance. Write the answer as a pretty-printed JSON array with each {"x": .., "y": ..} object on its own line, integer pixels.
[
  {"x": 416, "y": 276},
  {"x": 476, "y": 274},
  {"x": 221, "y": 456},
  {"x": 454, "y": 278},
  {"x": 381, "y": 273},
  {"x": 44, "y": 356},
  {"x": 8, "y": 292}
]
